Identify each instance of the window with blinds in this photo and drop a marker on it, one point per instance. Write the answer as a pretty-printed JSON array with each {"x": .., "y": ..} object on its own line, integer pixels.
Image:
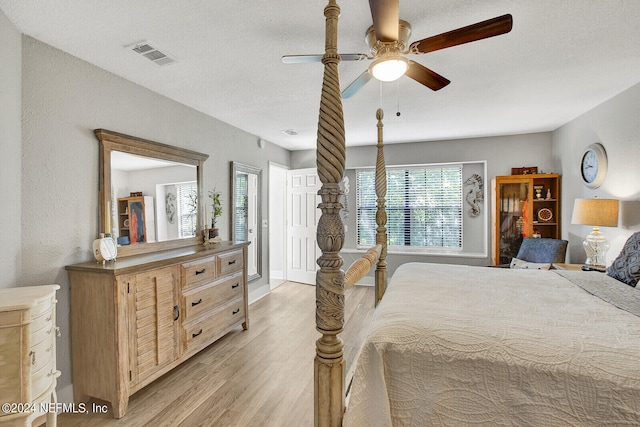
[
  {"x": 241, "y": 207},
  {"x": 187, "y": 195},
  {"x": 423, "y": 204}
]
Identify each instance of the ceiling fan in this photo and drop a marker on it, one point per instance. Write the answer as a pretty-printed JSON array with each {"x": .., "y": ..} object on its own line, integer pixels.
[{"x": 388, "y": 37}]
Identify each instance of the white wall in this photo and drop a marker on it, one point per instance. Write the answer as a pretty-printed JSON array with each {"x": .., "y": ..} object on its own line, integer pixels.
[
  {"x": 616, "y": 125},
  {"x": 501, "y": 154},
  {"x": 277, "y": 223},
  {"x": 63, "y": 100},
  {"x": 10, "y": 153}
]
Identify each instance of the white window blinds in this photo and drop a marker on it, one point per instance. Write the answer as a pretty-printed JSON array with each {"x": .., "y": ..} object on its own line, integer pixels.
[
  {"x": 187, "y": 209},
  {"x": 423, "y": 204}
]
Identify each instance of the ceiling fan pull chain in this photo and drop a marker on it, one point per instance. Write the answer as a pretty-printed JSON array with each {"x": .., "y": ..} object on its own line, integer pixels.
[{"x": 398, "y": 94}]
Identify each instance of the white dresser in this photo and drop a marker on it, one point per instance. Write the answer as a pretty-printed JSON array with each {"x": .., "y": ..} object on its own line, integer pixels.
[{"x": 28, "y": 354}]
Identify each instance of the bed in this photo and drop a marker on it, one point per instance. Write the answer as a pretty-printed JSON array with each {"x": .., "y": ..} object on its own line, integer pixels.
[
  {"x": 461, "y": 345},
  {"x": 492, "y": 347}
]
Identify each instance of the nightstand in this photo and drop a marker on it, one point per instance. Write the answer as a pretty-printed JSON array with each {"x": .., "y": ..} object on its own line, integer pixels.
[{"x": 563, "y": 266}]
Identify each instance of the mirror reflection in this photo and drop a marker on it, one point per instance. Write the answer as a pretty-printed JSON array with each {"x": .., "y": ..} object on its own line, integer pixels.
[
  {"x": 153, "y": 200},
  {"x": 155, "y": 171},
  {"x": 246, "y": 216}
]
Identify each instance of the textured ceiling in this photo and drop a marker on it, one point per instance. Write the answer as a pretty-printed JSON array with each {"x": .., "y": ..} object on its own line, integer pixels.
[{"x": 561, "y": 59}]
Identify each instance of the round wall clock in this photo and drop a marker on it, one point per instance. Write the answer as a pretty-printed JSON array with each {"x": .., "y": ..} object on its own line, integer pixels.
[{"x": 593, "y": 165}]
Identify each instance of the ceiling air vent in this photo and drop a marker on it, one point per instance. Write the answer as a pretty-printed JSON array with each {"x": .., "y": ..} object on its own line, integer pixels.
[{"x": 152, "y": 54}]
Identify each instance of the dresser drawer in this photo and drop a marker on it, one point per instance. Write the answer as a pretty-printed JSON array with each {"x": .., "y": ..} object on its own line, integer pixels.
[
  {"x": 202, "y": 333},
  {"x": 43, "y": 305},
  {"x": 204, "y": 298},
  {"x": 43, "y": 334},
  {"x": 230, "y": 262},
  {"x": 42, "y": 321},
  {"x": 42, "y": 379},
  {"x": 41, "y": 353},
  {"x": 198, "y": 272}
]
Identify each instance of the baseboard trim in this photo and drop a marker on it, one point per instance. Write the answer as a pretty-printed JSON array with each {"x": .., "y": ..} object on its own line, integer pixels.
[{"x": 259, "y": 293}]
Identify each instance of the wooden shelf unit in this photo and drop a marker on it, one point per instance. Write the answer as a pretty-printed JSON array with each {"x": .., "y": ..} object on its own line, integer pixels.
[
  {"x": 518, "y": 212},
  {"x": 138, "y": 210}
]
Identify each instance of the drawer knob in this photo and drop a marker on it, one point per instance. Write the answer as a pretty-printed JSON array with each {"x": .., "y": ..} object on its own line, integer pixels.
[
  {"x": 232, "y": 262},
  {"x": 176, "y": 313},
  {"x": 193, "y": 304},
  {"x": 235, "y": 286},
  {"x": 236, "y": 311},
  {"x": 33, "y": 357},
  {"x": 196, "y": 334},
  {"x": 200, "y": 271}
]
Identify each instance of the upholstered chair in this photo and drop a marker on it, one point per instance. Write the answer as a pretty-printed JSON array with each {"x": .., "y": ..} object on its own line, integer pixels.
[{"x": 541, "y": 251}]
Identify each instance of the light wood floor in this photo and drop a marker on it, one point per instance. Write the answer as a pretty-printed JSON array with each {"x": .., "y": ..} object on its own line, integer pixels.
[{"x": 259, "y": 377}]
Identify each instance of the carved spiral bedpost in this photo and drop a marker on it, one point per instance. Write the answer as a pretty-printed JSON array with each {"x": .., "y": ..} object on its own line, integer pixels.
[
  {"x": 381, "y": 213},
  {"x": 329, "y": 361}
]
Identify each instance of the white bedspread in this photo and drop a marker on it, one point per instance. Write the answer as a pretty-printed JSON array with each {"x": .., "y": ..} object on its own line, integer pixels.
[{"x": 455, "y": 346}]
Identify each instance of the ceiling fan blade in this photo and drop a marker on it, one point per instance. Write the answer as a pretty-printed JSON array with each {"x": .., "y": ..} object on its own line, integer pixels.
[
  {"x": 356, "y": 84},
  {"x": 386, "y": 19},
  {"x": 481, "y": 30},
  {"x": 301, "y": 59},
  {"x": 425, "y": 76}
]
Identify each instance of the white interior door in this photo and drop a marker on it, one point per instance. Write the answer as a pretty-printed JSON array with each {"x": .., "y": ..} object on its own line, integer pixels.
[
  {"x": 277, "y": 224},
  {"x": 302, "y": 220}
]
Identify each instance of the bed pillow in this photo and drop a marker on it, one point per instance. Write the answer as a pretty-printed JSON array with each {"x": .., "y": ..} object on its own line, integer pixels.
[
  {"x": 626, "y": 268},
  {"x": 518, "y": 263}
]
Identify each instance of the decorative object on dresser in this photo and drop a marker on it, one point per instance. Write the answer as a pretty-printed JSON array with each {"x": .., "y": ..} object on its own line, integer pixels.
[
  {"x": 597, "y": 213},
  {"x": 520, "y": 211},
  {"x": 28, "y": 354},
  {"x": 104, "y": 248},
  {"x": 216, "y": 211},
  {"x": 136, "y": 319}
]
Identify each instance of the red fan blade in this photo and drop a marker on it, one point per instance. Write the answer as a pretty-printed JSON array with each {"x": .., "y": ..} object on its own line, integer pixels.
[
  {"x": 425, "y": 76},
  {"x": 386, "y": 19},
  {"x": 481, "y": 30}
]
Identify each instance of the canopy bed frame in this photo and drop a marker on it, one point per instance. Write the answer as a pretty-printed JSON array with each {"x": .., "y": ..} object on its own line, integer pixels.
[
  {"x": 331, "y": 281},
  {"x": 496, "y": 324}
]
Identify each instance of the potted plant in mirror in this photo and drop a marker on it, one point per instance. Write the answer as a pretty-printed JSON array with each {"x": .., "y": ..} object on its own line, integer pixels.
[{"x": 216, "y": 211}]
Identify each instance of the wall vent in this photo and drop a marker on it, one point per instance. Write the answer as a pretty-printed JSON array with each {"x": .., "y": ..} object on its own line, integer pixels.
[{"x": 152, "y": 54}]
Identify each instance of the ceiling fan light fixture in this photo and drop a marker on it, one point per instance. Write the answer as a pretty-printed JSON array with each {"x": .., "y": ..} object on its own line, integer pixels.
[{"x": 389, "y": 69}]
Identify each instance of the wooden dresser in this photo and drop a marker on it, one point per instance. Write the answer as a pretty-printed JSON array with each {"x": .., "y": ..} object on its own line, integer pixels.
[
  {"x": 134, "y": 319},
  {"x": 28, "y": 354}
]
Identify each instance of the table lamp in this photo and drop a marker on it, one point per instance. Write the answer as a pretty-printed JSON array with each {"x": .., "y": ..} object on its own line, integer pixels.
[{"x": 597, "y": 213}]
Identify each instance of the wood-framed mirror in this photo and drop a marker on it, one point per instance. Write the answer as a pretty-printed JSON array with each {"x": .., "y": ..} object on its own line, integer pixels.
[
  {"x": 246, "y": 213},
  {"x": 149, "y": 193}
]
